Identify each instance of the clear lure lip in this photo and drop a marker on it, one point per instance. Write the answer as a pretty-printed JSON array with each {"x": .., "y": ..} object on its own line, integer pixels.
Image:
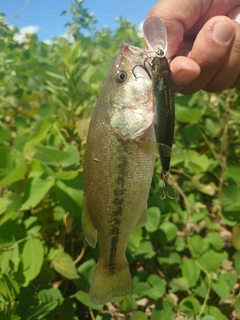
[{"x": 155, "y": 34}]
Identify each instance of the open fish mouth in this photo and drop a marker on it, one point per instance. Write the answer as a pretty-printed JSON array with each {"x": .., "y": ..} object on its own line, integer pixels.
[{"x": 131, "y": 52}]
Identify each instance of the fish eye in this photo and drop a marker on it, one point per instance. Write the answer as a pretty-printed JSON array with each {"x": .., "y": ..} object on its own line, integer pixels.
[{"x": 121, "y": 76}]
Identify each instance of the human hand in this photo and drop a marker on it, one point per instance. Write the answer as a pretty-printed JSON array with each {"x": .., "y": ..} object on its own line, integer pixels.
[{"x": 203, "y": 43}]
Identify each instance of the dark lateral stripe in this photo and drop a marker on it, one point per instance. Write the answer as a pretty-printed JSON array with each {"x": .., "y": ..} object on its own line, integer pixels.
[{"x": 118, "y": 201}]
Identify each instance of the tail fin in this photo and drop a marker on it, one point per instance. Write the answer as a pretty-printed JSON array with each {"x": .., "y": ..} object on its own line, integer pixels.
[{"x": 104, "y": 286}]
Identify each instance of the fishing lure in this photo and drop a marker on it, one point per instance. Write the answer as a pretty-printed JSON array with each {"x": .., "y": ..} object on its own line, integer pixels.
[
  {"x": 156, "y": 38},
  {"x": 164, "y": 113}
]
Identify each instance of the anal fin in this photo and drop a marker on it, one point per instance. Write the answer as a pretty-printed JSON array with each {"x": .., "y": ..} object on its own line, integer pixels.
[
  {"x": 142, "y": 219},
  {"x": 90, "y": 232}
]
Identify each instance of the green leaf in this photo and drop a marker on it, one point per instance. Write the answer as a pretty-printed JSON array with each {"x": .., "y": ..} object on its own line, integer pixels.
[
  {"x": 169, "y": 258},
  {"x": 9, "y": 288},
  {"x": 196, "y": 162},
  {"x": 3, "y": 205},
  {"x": 46, "y": 110},
  {"x": 12, "y": 166},
  {"x": 49, "y": 293},
  {"x": 179, "y": 284},
  {"x": 55, "y": 75},
  {"x": 220, "y": 286},
  {"x": 189, "y": 306},
  {"x": 83, "y": 297},
  {"x": 209, "y": 318},
  {"x": 179, "y": 244},
  {"x": 196, "y": 245},
  {"x": 135, "y": 238},
  {"x": 214, "y": 240},
  {"x": 70, "y": 195},
  {"x": 201, "y": 289},
  {"x": 158, "y": 287},
  {"x": 236, "y": 236},
  {"x": 41, "y": 311},
  {"x": 233, "y": 173},
  {"x": 63, "y": 264},
  {"x": 145, "y": 250},
  {"x": 236, "y": 259},
  {"x": 215, "y": 312},
  {"x": 236, "y": 304},
  {"x": 138, "y": 315},
  {"x": 51, "y": 155},
  {"x": 141, "y": 290},
  {"x": 212, "y": 127},
  {"x": 64, "y": 175},
  {"x": 68, "y": 310},
  {"x": 36, "y": 188},
  {"x": 128, "y": 304},
  {"x": 13, "y": 204},
  {"x": 32, "y": 259},
  {"x": 9, "y": 259},
  {"x": 73, "y": 161},
  {"x": 39, "y": 131},
  {"x": 211, "y": 259},
  {"x": 230, "y": 278},
  {"x": 85, "y": 271},
  {"x": 167, "y": 231},
  {"x": 153, "y": 219},
  {"x": 162, "y": 310},
  {"x": 190, "y": 271},
  {"x": 186, "y": 115},
  {"x": 5, "y": 133},
  {"x": 230, "y": 199}
]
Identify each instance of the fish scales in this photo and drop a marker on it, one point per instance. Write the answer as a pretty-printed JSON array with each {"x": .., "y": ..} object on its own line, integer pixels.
[{"x": 117, "y": 173}]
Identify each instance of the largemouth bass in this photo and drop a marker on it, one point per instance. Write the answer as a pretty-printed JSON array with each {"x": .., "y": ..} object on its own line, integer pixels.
[{"x": 118, "y": 171}]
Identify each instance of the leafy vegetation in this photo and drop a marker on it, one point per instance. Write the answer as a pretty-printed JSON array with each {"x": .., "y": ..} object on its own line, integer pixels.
[{"x": 185, "y": 262}]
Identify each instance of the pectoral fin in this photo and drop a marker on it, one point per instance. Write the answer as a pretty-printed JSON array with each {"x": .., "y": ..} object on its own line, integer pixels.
[
  {"x": 142, "y": 219},
  {"x": 155, "y": 147},
  {"x": 89, "y": 230}
]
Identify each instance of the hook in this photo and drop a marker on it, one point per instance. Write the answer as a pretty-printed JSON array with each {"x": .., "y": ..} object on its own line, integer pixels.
[
  {"x": 165, "y": 188},
  {"x": 144, "y": 68}
]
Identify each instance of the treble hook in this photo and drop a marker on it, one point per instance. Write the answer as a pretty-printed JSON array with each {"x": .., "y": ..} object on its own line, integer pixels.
[
  {"x": 165, "y": 187},
  {"x": 144, "y": 68}
]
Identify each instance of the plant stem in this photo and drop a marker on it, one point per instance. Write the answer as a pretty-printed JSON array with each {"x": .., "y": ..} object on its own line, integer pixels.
[
  {"x": 208, "y": 290},
  {"x": 80, "y": 255}
]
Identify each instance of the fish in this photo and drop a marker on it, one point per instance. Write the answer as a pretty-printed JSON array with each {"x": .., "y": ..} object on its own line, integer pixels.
[
  {"x": 118, "y": 171},
  {"x": 164, "y": 120}
]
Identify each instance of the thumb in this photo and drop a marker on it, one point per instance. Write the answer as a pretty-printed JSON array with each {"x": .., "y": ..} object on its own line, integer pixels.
[{"x": 210, "y": 51}]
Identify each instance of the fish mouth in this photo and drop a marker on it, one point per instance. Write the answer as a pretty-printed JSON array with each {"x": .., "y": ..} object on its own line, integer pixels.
[{"x": 131, "y": 52}]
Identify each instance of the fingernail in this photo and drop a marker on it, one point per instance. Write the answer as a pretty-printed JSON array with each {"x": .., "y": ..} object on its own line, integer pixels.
[{"x": 222, "y": 32}]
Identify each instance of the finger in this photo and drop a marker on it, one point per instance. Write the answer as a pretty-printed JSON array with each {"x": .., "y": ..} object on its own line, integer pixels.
[
  {"x": 184, "y": 72},
  {"x": 182, "y": 17},
  {"x": 228, "y": 74},
  {"x": 178, "y": 17},
  {"x": 235, "y": 16},
  {"x": 210, "y": 50}
]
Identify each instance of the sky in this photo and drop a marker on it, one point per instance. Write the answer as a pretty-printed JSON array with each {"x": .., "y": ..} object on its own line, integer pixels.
[{"x": 44, "y": 16}]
